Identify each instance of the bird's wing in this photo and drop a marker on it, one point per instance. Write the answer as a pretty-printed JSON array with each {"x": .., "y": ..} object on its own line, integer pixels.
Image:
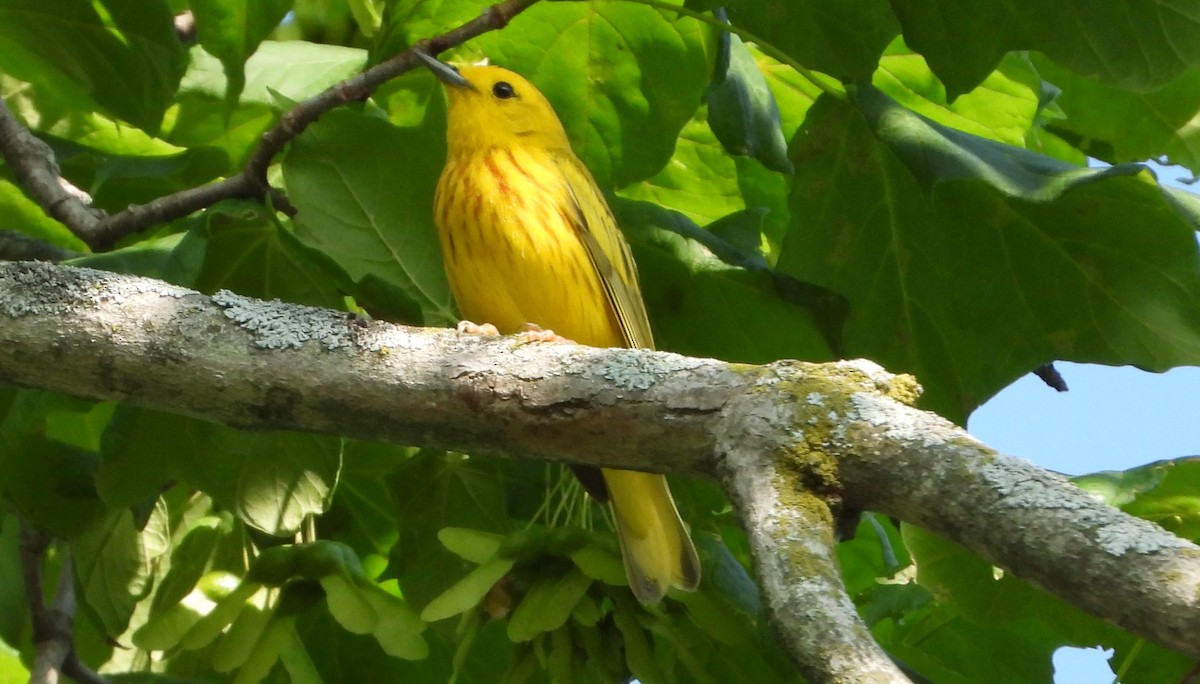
[{"x": 607, "y": 250}]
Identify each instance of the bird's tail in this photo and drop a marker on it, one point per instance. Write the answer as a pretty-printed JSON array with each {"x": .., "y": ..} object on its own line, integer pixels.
[{"x": 656, "y": 547}]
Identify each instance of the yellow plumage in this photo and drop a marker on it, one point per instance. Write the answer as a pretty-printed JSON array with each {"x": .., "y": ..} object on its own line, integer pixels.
[{"x": 528, "y": 238}]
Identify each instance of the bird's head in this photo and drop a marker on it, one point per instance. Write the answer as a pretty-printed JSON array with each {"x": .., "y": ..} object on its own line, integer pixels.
[{"x": 493, "y": 107}]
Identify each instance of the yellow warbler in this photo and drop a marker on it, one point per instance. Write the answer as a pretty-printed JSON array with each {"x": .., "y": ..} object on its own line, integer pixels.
[{"x": 528, "y": 238}]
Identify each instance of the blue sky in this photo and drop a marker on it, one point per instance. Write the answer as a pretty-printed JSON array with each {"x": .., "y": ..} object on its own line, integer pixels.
[{"x": 1111, "y": 419}]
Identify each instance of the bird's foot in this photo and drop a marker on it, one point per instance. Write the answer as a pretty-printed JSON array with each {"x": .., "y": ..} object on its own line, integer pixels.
[
  {"x": 469, "y": 328},
  {"x": 536, "y": 333}
]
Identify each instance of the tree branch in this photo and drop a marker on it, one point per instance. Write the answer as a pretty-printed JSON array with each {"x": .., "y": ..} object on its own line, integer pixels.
[
  {"x": 36, "y": 171},
  {"x": 787, "y": 440}
]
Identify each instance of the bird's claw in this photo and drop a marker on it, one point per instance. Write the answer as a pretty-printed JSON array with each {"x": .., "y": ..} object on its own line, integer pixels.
[{"x": 469, "y": 328}]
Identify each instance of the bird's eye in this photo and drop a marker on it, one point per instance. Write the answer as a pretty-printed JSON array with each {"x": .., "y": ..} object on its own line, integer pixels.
[{"x": 503, "y": 90}]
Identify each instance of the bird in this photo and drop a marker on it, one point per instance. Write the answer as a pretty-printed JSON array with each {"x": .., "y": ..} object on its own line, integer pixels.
[{"x": 528, "y": 240}]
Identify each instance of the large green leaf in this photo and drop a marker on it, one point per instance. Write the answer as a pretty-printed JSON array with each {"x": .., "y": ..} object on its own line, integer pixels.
[
  {"x": 271, "y": 480},
  {"x": 434, "y": 490},
  {"x": 407, "y": 21},
  {"x": 624, "y": 78},
  {"x": 276, "y": 75},
  {"x": 176, "y": 258},
  {"x": 116, "y": 562},
  {"x": 1167, "y": 493},
  {"x": 120, "y": 54},
  {"x": 48, "y": 462},
  {"x": 1119, "y": 125},
  {"x": 248, "y": 252},
  {"x": 700, "y": 181},
  {"x": 295, "y": 70},
  {"x": 364, "y": 190},
  {"x": 843, "y": 39},
  {"x": 968, "y": 262},
  {"x": 982, "y": 618},
  {"x": 1002, "y": 108},
  {"x": 743, "y": 313},
  {"x": 1128, "y": 43},
  {"x": 231, "y": 30}
]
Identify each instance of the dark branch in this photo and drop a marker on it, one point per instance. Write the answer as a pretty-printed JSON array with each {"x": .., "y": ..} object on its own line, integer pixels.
[{"x": 33, "y": 164}]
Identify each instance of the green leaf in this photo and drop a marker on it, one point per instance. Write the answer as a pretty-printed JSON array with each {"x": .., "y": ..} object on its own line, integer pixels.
[
  {"x": 700, "y": 181},
  {"x": 348, "y": 605},
  {"x": 294, "y": 69},
  {"x": 399, "y": 629},
  {"x": 51, "y": 483},
  {"x": 624, "y": 78},
  {"x": 364, "y": 191},
  {"x": 234, "y": 647},
  {"x": 118, "y": 182},
  {"x": 116, "y": 563},
  {"x": 250, "y": 253},
  {"x": 269, "y": 480},
  {"x": 1165, "y": 493},
  {"x": 363, "y": 510},
  {"x": 231, "y": 31},
  {"x": 407, "y": 21},
  {"x": 12, "y": 670},
  {"x": 741, "y": 110},
  {"x": 686, "y": 288},
  {"x": 547, "y": 605},
  {"x": 121, "y": 55},
  {"x": 843, "y": 39},
  {"x": 272, "y": 481},
  {"x": 1117, "y": 125},
  {"x": 601, "y": 564},
  {"x": 918, "y": 225},
  {"x": 476, "y": 546},
  {"x": 1002, "y": 108},
  {"x": 190, "y": 559},
  {"x": 1131, "y": 44},
  {"x": 433, "y": 491},
  {"x": 638, "y": 653},
  {"x": 274, "y": 638},
  {"x": 469, "y": 591},
  {"x": 226, "y": 610},
  {"x": 177, "y": 258},
  {"x": 983, "y": 618},
  {"x": 14, "y": 606},
  {"x": 19, "y": 213},
  {"x": 875, "y": 552}
]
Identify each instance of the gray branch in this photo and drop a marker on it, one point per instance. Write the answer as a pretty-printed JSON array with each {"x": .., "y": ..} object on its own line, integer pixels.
[{"x": 786, "y": 440}]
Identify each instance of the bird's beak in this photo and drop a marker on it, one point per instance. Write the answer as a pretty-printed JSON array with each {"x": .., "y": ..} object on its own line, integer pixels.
[{"x": 445, "y": 73}]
